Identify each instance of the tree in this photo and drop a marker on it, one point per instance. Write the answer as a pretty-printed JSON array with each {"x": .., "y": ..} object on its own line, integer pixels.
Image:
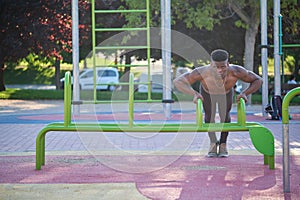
[
  {"x": 208, "y": 15},
  {"x": 40, "y": 27}
]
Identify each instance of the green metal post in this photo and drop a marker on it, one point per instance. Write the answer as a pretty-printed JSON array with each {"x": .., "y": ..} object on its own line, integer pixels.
[
  {"x": 131, "y": 99},
  {"x": 94, "y": 48},
  {"x": 241, "y": 112},
  {"x": 285, "y": 127},
  {"x": 148, "y": 49},
  {"x": 280, "y": 47},
  {"x": 285, "y": 104},
  {"x": 199, "y": 113},
  {"x": 40, "y": 148},
  {"x": 280, "y": 34},
  {"x": 67, "y": 99}
]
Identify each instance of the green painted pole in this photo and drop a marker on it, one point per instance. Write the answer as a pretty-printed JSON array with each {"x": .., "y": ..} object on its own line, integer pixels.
[
  {"x": 241, "y": 112},
  {"x": 280, "y": 34},
  {"x": 67, "y": 99},
  {"x": 285, "y": 104},
  {"x": 94, "y": 49},
  {"x": 285, "y": 137},
  {"x": 131, "y": 99},
  {"x": 288, "y": 45},
  {"x": 199, "y": 113},
  {"x": 148, "y": 50}
]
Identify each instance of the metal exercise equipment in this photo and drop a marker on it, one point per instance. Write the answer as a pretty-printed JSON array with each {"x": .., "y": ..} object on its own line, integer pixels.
[
  {"x": 262, "y": 138},
  {"x": 285, "y": 137},
  {"x": 114, "y": 48}
]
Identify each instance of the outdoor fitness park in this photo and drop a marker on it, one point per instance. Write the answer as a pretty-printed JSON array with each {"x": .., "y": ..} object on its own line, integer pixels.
[{"x": 261, "y": 137}]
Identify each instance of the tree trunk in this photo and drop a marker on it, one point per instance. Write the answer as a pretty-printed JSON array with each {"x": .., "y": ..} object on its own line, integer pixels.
[
  {"x": 2, "y": 85},
  {"x": 250, "y": 37},
  {"x": 57, "y": 74},
  {"x": 252, "y": 20},
  {"x": 125, "y": 77}
]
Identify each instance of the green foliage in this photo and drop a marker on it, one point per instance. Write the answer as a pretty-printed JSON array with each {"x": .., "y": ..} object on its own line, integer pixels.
[
  {"x": 33, "y": 69},
  {"x": 32, "y": 94},
  {"x": 289, "y": 64},
  {"x": 241, "y": 24}
]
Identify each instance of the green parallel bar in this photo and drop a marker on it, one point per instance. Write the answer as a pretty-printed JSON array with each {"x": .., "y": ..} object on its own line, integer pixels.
[
  {"x": 288, "y": 45},
  {"x": 124, "y": 65},
  {"x": 120, "y": 47},
  {"x": 59, "y": 127},
  {"x": 285, "y": 104},
  {"x": 199, "y": 113},
  {"x": 67, "y": 99},
  {"x": 122, "y": 83},
  {"x": 120, "y": 29},
  {"x": 148, "y": 48},
  {"x": 94, "y": 48},
  {"x": 120, "y": 11},
  {"x": 280, "y": 34},
  {"x": 232, "y": 127},
  {"x": 131, "y": 99},
  {"x": 241, "y": 112},
  {"x": 165, "y": 127},
  {"x": 285, "y": 136},
  {"x": 119, "y": 101}
]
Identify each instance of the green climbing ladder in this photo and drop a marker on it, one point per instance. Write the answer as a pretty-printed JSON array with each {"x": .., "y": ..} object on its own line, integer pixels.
[{"x": 97, "y": 29}]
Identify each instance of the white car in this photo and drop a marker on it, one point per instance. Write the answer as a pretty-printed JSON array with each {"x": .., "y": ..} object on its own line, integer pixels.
[
  {"x": 107, "y": 78},
  {"x": 156, "y": 84}
]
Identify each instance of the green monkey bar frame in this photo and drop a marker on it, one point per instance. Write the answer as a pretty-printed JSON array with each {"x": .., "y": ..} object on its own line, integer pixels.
[
  {"x": 96, "y": 29},
  {"x": 261, "y": 137},
  {"x": 285, "y": 137}
]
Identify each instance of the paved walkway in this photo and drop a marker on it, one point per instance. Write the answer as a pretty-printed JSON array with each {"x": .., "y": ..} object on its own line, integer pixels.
[{"x": 136, "y": 166}]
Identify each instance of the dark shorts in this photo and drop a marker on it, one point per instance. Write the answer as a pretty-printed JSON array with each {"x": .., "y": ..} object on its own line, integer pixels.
[{"x": 224, "y": 102}]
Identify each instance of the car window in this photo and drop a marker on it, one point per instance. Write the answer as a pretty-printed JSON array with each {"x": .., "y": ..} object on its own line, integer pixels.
[
  {"x": 81, "y": 72},
  {"x": 100, "y": 72},
  {"x": 88, "y": 74},
  {"x": 109, "y": 73}
]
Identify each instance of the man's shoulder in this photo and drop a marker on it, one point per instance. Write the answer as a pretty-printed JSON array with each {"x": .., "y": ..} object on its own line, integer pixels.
[{"x": 235, "y": 67}]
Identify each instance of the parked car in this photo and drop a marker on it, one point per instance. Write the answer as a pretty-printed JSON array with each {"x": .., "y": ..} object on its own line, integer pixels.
[
  {"x": 108, "y": 76},
  {"x": 156, "y": 84}
]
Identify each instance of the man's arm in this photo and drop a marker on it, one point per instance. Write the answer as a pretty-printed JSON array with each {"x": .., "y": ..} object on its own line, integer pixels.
[
  {"x": 183, "y": 84},
  {"x": 248, "y": 77}
]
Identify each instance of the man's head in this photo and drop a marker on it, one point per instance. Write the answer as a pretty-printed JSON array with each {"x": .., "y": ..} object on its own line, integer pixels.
[
  {"x": 219, "y": 55},
  {"x": 219, "y": 61}
]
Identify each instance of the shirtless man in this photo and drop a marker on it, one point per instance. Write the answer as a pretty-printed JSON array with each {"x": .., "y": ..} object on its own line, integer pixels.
[{"x": 217, "y": 82}]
